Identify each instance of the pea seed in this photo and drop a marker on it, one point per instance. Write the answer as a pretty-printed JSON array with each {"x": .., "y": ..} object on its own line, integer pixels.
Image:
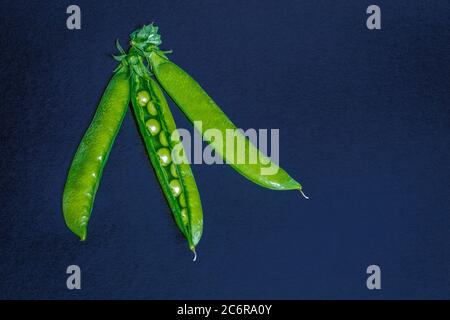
[
  {"x": 173, "y": 170},
  {"x": 163, "y": 139},
  {"x": 184, "y": 216},
  {"x": 153, "y": 126},
  {"x": 175, "y": 136},
  {"x": 175, "y": 186},
  {"x": 182, "y": 200},
  {"x": 164, "y": 156},
  {"x": 142, "y": 98},
  {"x": 151, "y": 108}
]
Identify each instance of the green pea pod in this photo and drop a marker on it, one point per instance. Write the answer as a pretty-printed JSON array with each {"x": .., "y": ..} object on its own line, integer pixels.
[
  {"x": 201, "y": 109},
  {"x": 156, "y": 125},
  {"x": 90, "y": 158}
]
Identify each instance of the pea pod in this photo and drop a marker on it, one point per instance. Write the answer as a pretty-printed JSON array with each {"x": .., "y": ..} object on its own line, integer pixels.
[
  {"x": 200, "y": 108},
  {"x": 156, "y": 126},
  {"x": 90, "y": 158}
]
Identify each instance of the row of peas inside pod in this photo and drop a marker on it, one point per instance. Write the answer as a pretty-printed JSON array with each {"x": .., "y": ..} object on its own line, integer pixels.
[{"x": 153, "y": 126}]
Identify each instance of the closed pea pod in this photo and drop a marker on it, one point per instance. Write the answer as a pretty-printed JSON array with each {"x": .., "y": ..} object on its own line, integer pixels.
[
  {"x": 175, "y": 179},
  {"x": 90, "y": 158},
  {"x": 200, "y": 108}
]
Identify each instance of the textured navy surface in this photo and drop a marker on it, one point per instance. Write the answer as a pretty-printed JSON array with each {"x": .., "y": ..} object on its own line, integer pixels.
[{"x": 364, "y": 120}]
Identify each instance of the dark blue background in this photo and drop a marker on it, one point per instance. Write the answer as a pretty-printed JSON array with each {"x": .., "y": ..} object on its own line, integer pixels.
[{"x": 365, "y": 126}]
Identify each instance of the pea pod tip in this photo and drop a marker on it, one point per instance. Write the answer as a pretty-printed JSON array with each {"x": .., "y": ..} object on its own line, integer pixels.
[{"x": 82, "y": 235}]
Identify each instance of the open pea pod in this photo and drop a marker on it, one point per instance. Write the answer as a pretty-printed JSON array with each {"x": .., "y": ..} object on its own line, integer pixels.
[{"x": 157, "y": 127}]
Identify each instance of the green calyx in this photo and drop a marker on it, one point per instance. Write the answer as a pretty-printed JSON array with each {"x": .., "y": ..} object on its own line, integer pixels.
[
  {"x": 132, "y": 60},
  {"x": 146, "y": 38},
  {"x": 145, "y": 41}
]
